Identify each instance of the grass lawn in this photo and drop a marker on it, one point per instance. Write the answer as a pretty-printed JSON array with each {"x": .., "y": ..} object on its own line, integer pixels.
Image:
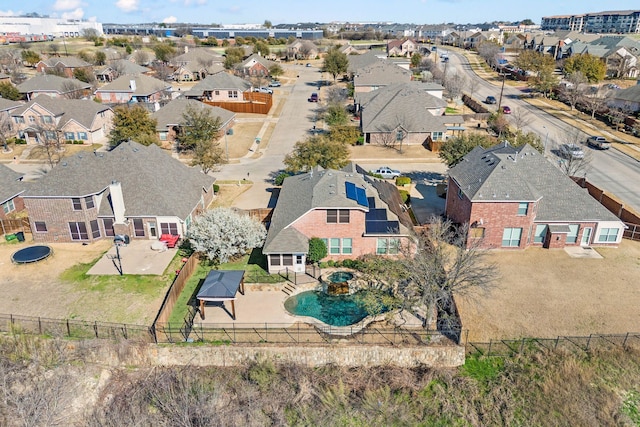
[{"x": 254, "y": 265}]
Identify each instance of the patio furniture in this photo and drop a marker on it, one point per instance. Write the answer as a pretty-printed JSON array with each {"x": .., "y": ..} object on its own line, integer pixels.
[{"x": 170, "y": 239}]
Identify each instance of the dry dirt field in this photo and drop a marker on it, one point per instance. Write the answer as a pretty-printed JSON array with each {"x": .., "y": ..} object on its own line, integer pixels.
[
  {"x": 545, "y": 293},
  {"x": 36, "y": 289}
]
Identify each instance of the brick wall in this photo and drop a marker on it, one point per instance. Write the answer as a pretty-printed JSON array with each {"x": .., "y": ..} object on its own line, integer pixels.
[
  {"x": 495, "y": 217},
  {"x": 56, "y": 213},
  {"x": 18, "y": 202}
]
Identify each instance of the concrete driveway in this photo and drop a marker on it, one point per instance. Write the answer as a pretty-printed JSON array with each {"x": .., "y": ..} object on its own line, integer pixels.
[{"x": 136, "y": 258}]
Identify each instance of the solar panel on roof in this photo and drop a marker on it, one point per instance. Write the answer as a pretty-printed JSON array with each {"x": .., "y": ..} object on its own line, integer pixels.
[
  {"x": 382, "y": 227},
  {"x": 351, "y": 190},
  {"x": 361, "y": 197},
  {"x": 372, "y": 202},
  {"x": 376, "y": 215}
]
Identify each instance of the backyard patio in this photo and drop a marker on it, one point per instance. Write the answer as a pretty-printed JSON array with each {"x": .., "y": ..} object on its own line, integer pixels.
[{"x": 137, "y": 257}]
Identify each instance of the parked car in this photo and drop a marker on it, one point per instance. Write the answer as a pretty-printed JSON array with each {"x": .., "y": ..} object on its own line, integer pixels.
[
  {"x": 386, "y": 172},
  {"x": 274, "y": 83},
  {"x": 506, "y": 109},
  {"x": 263, "y": 90},
  {"x": 599, "y": 142},
  {"x": 314, "y": 97},
  {"x": 308, "y": 65},
  {"x": 491, "y": 100},
  {"x": 571, "y": 151}
]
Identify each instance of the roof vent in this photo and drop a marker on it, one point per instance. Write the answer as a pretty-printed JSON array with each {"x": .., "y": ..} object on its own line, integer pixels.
[{"x": 64, "y": 163}]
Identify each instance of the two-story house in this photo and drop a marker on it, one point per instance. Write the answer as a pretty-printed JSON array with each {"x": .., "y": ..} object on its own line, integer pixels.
[
  {"x": 379, "y": 74},
  {"x": 405, "y": 47},
  {"x": 131, "y": 190},
  {"x": 515, "y": 198},
  {"x": 254, "y": 66},
  {"x": 132, "y": 89},
  {"x": 63, "y": 66},
  {"x": 62, "y": 120},
  {"x": 353, "y": 213}
]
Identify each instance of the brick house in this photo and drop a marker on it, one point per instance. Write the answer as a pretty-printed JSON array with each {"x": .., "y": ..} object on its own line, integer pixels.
[
  {"x": 515, "y": 198},
  {"x": 409, "y": 112},
  {"x": 119, "y": 67},
  {"x": 405, "y": 47},
  {"x": 62, "y": 120},
  {"x": 302, "y": 49},
  {"x": 65, "y": 66},
  {"x": 254, "y": 66},
  {"x": 170, "y": 116},
  {"x": 132, "y": 190},
  {"x": 10, "y": 191},
  {"x": 133, "y": 88},
  {"x": 353, "y": 213},
  {"x": 54, "y": 86}
]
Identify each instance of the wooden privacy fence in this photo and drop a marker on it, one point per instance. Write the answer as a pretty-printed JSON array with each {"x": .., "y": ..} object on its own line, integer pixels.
[
  {"x": 253, "y": 102},
  {"x": 262, "y": 214},
  {"x": 176, "y": 289},
  {"x": 8, "y": 226}
]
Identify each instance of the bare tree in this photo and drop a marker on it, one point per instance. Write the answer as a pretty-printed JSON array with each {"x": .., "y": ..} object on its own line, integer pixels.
[
  {"x": 72, "y": 90},
  {"x": 574, "y": 90},
  {"x": 575, "y": 165},
  {"x": 472, "y": 85},
  {"x": 454, "y": 83},
  {"x": 52, "y": 141},
  {"x": 596, "y": 102},
  {"x": 6, "y": 130},
  {"x": 141, "y": 57}
]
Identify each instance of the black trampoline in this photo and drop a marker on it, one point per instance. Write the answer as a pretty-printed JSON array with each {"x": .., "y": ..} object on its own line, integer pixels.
[{"x": 31, "y": 254}]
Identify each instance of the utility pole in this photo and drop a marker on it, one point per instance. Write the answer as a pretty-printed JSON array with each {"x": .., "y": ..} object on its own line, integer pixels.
[{"x": 503, "y": 74}]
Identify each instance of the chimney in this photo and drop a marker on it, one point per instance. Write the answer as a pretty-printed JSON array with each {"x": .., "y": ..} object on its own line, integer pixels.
[
  {"x": 117, "y": 201},
  {"x": 132, "y": 85},
  {"x": 186, "y": 49}
]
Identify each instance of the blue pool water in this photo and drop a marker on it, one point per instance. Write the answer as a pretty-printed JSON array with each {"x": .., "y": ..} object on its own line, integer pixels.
[
  {"x": 334, "y": 310},
  {"x": 340, "y": 276}
]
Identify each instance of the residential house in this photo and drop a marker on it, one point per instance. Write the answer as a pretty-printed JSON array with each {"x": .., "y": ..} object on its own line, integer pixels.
[
  {"x": 302, "y": 49},
  {"x": 170, "y": 117},
  {"x": 621, "y": 54},
  {"x": 349, "y": 49},
  {"x": 220, "y": 87},
  {"x": 54, "y": 86},
  {"x": 120, "y": 67},
  {"x": 10, "y": 191},
  {"x": 6, "y": 123},
  {"x": 5, "y": 78},
  {"x": 377, "y": 75},
  {"x": 353, "y": 213},
  {"x": 63, "y": 66},
  {"x": 196, "y": 64},
  {"x": 404, "y": 113},
  {"x": 627, "y": 99},
  {"x": 131, "y": 190},
  {"x": 254, "y": 66},
  {"x": 357, "y": 62},
  {"x": 47, "y": 119},
  {"x": 405, "y": 47},
  {"x": 515, "y": 198},
  {"x": 132, "y": 89}
]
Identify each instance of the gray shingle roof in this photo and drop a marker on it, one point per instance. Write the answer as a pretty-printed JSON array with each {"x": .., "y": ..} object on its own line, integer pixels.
[
  {"x": 402, "y": 104},
  {"x": 171, "y": 114},
  {"x": 7, "y": 104},
  {"x": 124, "y": 66},
  {"x": 257, "y": 58},
  {"x": 381, "y": 73},
  {"x": 83, "y": 111},
  {"x": 221, "y": 81},
  {"x": 153, "y": 183},
  {"x": 502, "y": 173},
  {"x": 145, "y": 85},
  {"x": 11, "y": 184},
  {"x": 317, "y": 189},
  {"x": 50, "y": 83},
  {"x": 195, "y": 55},
  {"x": 68, "y": 62},
  {"x": 631, "y": 94}
]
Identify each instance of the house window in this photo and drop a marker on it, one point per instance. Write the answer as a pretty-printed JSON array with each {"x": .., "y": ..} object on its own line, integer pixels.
[
  {"x": 19, "y": 120},
  {"x": 70, "y": 136},
  {"x": 511, "y": 237},
  {"x": 387, "y": 246},
  {"x": 32, "y": 119},
  {"x": 88, "y": 201},
  {"x": 50, "y": 135},
  {"x": 338, "y": 215},
  {"x": 274, "y": 260},
  {"x": 41, "y": 226},
  {"x": 163, "y": 136},
  {"x": 107, "y": 223},
  {"x": 77, "y": 204},
  {"x": 541, "y": 232},
  {"x": 298, "y": 259},
  {"x": 523, "y": 208},
  {"x": 95, "y": 229},
  {"x": 47, "y": 119},
  {"x": 169, "y": 228},
  {"x": 572, "y": 236},
  {"x": 217, "y": 92},
  {"x": 287, "y": 259},
  {"x": 138, "y": 227},
  {"x": 8, "y": 206},
  {"x": 436, "y": 136},
  {"x": 82, "y": 136},
  {"x": 347, "y": 248},
  {"x": 460, "y": 194},
  {"x": 232, "y": 94},
  {"x": 78, "y": 231},
  {"x": 608, "y": 235},
  {"x": 334, "y": 246},
  {"x": 476, "y": 232}
]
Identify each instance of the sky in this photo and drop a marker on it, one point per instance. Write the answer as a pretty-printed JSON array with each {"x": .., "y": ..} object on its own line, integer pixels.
[{"x": 324, "y": 11}]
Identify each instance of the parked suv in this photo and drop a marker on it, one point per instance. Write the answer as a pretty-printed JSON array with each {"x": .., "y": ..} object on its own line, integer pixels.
[
  {"x": 386, "y": 172},
  {"x": 314, "y": 97},
  {"x": 571, "y": 151},
  {"x": 490, "y": 100},
  {"x": 598, "y": 142}
]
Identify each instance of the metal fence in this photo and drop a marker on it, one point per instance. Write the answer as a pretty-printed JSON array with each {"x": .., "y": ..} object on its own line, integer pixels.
[
  {"x": 299, "y": 334},
  {"x": 507, "y": 348},
  {"x": 70, "y": 328}
]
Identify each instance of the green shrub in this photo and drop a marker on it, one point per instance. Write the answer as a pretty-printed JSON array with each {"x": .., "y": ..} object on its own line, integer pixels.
[
  {"x": 331, "y": 263},
  {"x": 68, "y": 141},
  {"x": 375, "y": 175},
  {"x": 280, "y": 178},
  {"x": 360, "y": 140},
  {"x": 317, "y": 250},
  {"x": 406, "y": 198},
  {"x": 403, "y": 180},
  {"x": 19, "y": 141},
  {"x": 216, "y": 188},
  {"x": 78, "y": 142}
]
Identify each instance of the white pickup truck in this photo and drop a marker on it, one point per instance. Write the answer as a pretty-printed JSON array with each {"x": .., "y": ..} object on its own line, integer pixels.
[
  {"x": 386, "y": 172},
  {"x": 598, "y": 142}
]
